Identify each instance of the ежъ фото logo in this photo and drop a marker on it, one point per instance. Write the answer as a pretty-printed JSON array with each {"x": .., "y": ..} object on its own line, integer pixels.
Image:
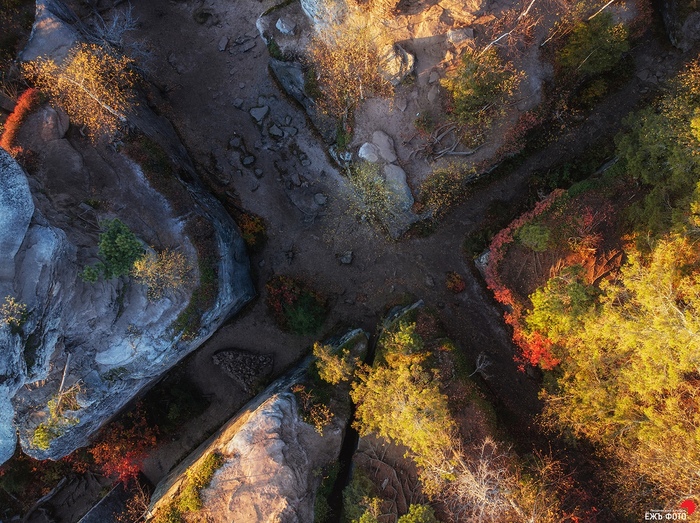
[{"x": 680, "y": 514}]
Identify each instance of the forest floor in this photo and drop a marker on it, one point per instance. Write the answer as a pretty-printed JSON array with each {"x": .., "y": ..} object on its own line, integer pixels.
[{"x": 210, "y": 92}]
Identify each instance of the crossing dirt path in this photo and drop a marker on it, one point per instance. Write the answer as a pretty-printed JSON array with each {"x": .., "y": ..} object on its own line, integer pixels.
[{"x": 210, "y": 93}]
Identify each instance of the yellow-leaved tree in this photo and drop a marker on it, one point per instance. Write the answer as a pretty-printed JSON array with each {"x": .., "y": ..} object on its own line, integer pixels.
[
  {"x": 631, "y": 370},
  {"x": 162, "y": 271},
  {"x": 93, "y": 84}
]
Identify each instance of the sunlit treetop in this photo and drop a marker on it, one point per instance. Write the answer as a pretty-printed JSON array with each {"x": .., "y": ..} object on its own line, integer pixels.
[{"x": 93, "y": 84}]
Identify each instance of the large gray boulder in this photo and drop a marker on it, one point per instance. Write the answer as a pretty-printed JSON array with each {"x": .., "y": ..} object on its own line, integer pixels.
[
  {"x": 277, "y": 453},
  {"x": 107, "y": 337},
  {"x": 107, "y": 341},
  {"x": 682, "y": 22},
  {"x": 51, "y": 35},
  {"x": 271, "y": 456}
]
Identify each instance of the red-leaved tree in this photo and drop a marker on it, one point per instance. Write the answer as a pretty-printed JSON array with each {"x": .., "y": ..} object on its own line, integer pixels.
[{"x": 124, "y": 445}]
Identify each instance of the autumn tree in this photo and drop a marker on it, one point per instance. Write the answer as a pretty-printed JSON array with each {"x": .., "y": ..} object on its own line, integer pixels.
[
  {"x": 93, "y": 84},
  {"x": 333, "y": 366},
  {"x": 162, "y": 272},
  {"x": 660, "y": 151},
  {"x": 123, "y": 445},
  {"x": 630, "y": 376},
  {"x": 480, "y": 85},
  {"x": 417, "y": 415},
  {"x": 346, "y": 62},
  {"x": 595, "y": 46}
]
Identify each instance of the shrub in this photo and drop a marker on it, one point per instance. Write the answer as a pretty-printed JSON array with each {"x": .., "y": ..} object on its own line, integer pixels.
[
  {"x": 594, "y": 47},
  {"x": 57, "y": 420},
  {"x": 90, "y": 274},
  {"x": 168, "y": 514},
  {"x": 26, "y": 103},
  {"x": 44, "y": 434},
  {"x": 479, "y": 85},
  {"x": 162, "y": 272},
  {"x": 119, "y": 249},
  {"x": 534, "y": 236},
  {"x": 312, "y": 410},
  {"x": 455, "y": 282},
  {"x": 333, "y": 367},
  {"x": 198, "y": 478},
  {"x": 93, "y": 85},
  {"x": 295, "y": 306},
  {"x": 253, "y": 230},
  {"x": 359, "y": 495},
  {"x": 123, "y": 445},
  {"x": 13, "y": 313},
  {"x": 375, "y": 201},
  {"x": 346, "y": 59},
  {"x": 443, "y": 188}
]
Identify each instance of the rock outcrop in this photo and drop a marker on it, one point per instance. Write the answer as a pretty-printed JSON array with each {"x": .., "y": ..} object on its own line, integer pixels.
[
  {"x": 381, "y": 151},
  {"x": 277, "y": 453},
  {"x": 107, "y": 337},
  {"x": 106, "y": 342},
  {"x": 682, "y": 22},
  {"x": 271, "y": 457}
]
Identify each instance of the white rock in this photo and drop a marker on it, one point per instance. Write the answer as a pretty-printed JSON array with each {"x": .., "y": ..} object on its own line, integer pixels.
[
  {"x": 286, "y": 27},
  {"x": 369, "y": 152},
  {"x": 223, "y": 43}
]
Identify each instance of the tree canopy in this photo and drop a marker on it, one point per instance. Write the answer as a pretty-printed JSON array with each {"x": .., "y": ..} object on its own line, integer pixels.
[
  {"x": 93, "y": 84},
  {"x": 595, "y": 46},
  {"x": 417, "y": 415},
  {"x": 629, "y": 349}
]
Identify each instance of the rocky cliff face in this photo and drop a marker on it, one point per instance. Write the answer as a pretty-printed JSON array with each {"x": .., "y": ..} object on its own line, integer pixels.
[
  {"x": 277, "y": 453},
  {"x": 271, "y": 457},
  {"x": 104, "y": 342},
  {"x": 108, "y": 337},
  {"x": 682, "y": 20}
]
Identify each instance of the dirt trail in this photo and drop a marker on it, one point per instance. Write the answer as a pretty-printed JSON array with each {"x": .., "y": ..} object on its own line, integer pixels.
[{"x": 210, "y": 92}]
